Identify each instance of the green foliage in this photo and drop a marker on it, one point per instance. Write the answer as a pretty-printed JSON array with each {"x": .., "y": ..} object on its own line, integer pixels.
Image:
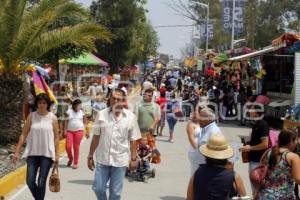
[
  {"x": 28, "y": 33},
  {"x": 264, "y": 21},
  {"x": 134, "y": 38}
]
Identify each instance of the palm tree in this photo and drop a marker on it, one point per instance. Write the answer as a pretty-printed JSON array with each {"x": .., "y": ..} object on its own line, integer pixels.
[{"x": 25, "y": 36}]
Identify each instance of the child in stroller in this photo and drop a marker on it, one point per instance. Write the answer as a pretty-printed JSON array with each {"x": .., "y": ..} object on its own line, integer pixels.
[{"x": 144, "y": 155}]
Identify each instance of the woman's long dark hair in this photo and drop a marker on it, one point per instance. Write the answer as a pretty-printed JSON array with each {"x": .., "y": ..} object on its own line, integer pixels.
[{"x": 284, "y": 138}]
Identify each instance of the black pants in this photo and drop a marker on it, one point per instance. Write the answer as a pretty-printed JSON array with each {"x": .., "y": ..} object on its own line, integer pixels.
[{"x": 43, "y": 164}]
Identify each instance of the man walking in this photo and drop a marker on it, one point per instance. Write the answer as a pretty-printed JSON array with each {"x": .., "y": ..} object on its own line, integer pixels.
[
  {"x": 148, "y": 113},
  {"x": 115, "y": 134}
]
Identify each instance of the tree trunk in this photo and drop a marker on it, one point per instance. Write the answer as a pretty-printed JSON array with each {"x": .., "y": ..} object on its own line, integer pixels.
[{"x": 12, "y": 97}]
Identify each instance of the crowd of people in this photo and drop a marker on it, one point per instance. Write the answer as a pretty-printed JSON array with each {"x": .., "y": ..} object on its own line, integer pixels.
[{"x": 124, "y": 135}]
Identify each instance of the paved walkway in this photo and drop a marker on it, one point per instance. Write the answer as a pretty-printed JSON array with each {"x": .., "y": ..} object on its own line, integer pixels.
[{"x": 170, "y": 183}]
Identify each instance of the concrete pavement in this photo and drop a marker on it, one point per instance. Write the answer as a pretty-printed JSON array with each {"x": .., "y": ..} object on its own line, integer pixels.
[{"x": 172, "y": 174}]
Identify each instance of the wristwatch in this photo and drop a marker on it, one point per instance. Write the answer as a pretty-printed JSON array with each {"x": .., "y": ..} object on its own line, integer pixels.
[
  {"x": 90, "y": 157},
  {"x": 133, "y": 159}
]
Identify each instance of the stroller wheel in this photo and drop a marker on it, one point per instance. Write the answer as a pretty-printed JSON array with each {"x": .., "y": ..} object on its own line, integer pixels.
[
  {"x": 142, "y": 178},
  {"x": 153, "y": 173}
]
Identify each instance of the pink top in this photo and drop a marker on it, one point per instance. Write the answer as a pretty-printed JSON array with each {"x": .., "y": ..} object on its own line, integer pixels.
[
  {"x": 40, "y": 140},
  {"x": 262, "y": 99}
]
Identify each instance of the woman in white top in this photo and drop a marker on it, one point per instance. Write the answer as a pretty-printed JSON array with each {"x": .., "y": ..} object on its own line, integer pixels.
[
  {"x": 74, "y": 126},
  {"x": 42, "y": 145},
  {"x": 193, "y": 130}
]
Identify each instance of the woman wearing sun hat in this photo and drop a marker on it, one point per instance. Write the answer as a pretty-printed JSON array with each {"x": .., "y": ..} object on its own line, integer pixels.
[{"x": 212, "y": 181}]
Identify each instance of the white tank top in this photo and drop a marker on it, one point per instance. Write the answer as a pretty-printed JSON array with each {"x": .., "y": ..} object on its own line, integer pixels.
[
  {"x": 197, "y": 131},
  {"x": 40, "y": 140}
]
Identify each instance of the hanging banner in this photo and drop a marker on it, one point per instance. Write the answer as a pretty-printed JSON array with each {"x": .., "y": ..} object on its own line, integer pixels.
[
  {"x": 202, "y": 30},
  {"x": 239, "y": 11}
]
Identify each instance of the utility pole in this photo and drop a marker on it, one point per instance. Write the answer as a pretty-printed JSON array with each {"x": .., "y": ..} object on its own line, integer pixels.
[
  {"x": 232, "y": 28},
  {"x": 207, "y": 21}
]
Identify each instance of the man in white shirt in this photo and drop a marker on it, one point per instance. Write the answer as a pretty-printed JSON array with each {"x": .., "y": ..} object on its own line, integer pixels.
[
  {"x": 208, "y": 125},
  {"x": 115, "y": 149}
]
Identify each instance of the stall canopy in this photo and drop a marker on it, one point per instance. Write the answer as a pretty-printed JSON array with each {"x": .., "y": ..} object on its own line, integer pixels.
[
  {"x": 286, "y": 39},
  {"x": 256, "y": 53},
  {"x": 86, "y": 59}
]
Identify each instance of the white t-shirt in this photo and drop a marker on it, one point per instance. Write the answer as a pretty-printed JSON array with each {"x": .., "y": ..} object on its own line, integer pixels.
[{"x": 75, "y": 120}]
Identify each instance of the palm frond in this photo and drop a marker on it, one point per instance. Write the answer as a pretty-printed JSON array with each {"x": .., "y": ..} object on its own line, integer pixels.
[
  {"x": 26, "y": 34},
  {"x": 59, "y": 7},
  {"x": 36, "y": 23},
  {"x": 80, "y": 35},
  {"x": 10, "y": 22}
]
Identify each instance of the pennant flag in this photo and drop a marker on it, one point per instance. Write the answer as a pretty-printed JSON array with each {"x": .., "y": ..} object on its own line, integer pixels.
[{"x": 40, "y": 86}]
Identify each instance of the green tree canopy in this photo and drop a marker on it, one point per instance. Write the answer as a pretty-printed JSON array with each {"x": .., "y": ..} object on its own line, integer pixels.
[
  {"x": 134, "y": 38},
  {"x": 264, "y": 20}
]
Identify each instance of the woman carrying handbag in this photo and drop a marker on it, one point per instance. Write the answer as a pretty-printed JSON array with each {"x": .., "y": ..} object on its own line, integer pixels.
[
  {"x": 41, "y": 134},
  {"x": 283, "y": 169}
]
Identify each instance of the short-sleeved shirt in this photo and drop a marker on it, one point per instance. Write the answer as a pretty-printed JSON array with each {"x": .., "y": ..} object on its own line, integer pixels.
[
  {"x": 75, "y": 120},
  {"x": 260, "y": 131},
  {"x": 146, "y": 114},
  {"x": 204, "y": 136},
  {"x": 115, "y": 137}
]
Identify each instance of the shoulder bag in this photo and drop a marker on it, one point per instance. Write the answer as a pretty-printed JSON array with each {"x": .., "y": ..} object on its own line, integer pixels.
[{"x": 258, "y": 174}]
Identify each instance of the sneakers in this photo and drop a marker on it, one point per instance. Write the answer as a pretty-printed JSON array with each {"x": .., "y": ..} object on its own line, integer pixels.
[
  {"x": 171, "y": 140},
  {"x": 75, "y": 166}
]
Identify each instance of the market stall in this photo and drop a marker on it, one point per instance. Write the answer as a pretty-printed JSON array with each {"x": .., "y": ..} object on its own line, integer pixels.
[
  {"x": 275, "y": 66},
  {"x": 85, "y": 64}
]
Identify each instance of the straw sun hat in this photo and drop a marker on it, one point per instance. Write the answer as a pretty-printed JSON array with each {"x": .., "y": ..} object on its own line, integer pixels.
[{"x": 217, "y": 147}]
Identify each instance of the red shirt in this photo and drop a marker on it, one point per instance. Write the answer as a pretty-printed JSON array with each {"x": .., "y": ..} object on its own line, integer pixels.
[{"x": 161, "y": 101}]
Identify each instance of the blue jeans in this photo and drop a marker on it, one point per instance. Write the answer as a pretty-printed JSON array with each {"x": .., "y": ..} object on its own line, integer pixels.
[
  {"x": 171, "y": 122},
  {"x": 38, "y": 189},
  {"x": 115, "y": 175}
]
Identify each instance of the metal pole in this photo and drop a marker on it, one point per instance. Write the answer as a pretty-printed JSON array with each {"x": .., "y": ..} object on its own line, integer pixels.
[
  {"x": 207, "y": 21},
  {"x": 232, "y": 28}
]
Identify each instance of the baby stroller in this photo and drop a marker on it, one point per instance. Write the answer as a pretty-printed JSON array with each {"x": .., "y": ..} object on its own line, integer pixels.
[
  {"x": 142, "y": 173},
  {"x": 144, "y": 158}
]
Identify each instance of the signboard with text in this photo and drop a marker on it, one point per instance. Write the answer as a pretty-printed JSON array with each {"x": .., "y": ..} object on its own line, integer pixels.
[
  {"x": 227, "y": 14},
  {"x": 203, "y": 28}
]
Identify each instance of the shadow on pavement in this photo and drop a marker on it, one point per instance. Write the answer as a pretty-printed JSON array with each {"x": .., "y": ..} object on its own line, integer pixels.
[
  {"x": 62, "y": 166},
  {"x": 82, "y": 182},
  {"x": 172, "y": 198}
]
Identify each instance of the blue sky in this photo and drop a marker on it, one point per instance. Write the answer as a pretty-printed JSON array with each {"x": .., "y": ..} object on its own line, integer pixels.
[{"x": 160, "y": 14}]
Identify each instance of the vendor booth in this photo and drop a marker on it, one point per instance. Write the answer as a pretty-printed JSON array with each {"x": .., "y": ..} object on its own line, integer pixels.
[
  {"x": 87, "y": 63},
  {"x": 278, "y": 73}
]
